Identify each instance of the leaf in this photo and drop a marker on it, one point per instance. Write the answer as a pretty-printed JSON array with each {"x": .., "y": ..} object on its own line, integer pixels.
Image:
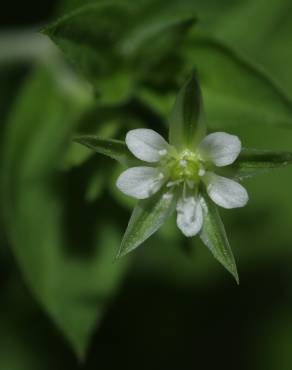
[
  {"x": 145, "y": 34},
  {"x": 114, "y": 149},
  {"x": 88, "y": 37},
  {"x": 116, "y": 46},
  {"x": 61, "y": 245},
  {"x": 265, "y": 39},
  {"x": 252, "y": 161},
  {"x": 214, "y": 236},
  {"x": 187, "y": 125},
  {"x": 151, "y": 51},
  {"x": 234, "y": 90},
  {"x": 148, "y": 216}
]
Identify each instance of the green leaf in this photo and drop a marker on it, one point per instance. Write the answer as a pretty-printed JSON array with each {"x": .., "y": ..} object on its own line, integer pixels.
[
  {"x": 88, "y": 36},
  {"x": 234, "y": 90},
  {"x": 148, "y": 216},
  {"x": 187, "y": 124},
  {"x": 116, "y": 45},
  {"x": 114, "y": 149},
  {"x": 214, "y": 236},
  {"x": 150, "y": 48},
  {"x": 252, "y": 161},
  {"x": 61, "y": 245},
  {"x": 265, "y": 39},
  {"x": 145, "y": 34}
]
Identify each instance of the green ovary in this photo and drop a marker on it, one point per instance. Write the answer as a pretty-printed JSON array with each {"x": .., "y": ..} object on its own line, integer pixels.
[{"x": 185, "y": 169}]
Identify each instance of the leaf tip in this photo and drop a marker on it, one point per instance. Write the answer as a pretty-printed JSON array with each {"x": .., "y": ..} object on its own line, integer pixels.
[
  {"x": 121, "y": 253},
  {"x": 236, "y": 277},
  {"x": 232, "y": 269}
]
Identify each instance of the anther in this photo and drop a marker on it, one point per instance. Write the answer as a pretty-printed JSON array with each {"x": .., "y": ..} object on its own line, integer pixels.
[
  {"x": 202, "y": 172},
  {"x": 183, "y": 163},
  {"x": 167, "y": 196},
  {"x": 162, "y": 152},
  {"x": 173, "y": 183}
]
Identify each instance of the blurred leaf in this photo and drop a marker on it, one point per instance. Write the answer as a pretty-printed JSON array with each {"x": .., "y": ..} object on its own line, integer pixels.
[
  {"x": 151, "y": 48},
  {"x": 75, "y": 155},
  {"x": 148, "y": 216},
  {"x": 88, "y": 36},
  {"x": 40, "y": 215},
  {"x": 115, "y": 45},
  {"x": 187, "y": 125},
  {"x": 214, "y": 236},
  {"x": 114, "y": 149},
  {"x": 27, "y": 338},
  {"x": 261, "y": 31},
  {"x": 160, "y": 103},
  {"x": 252, "y": 161},
  {"x": 116, "y": 88},
  {"x": 145, "y": 34},
  {"x": 96, "y": 186},
  {"x": 22, "y": 46},
  {"x": 235, "y": 91}
]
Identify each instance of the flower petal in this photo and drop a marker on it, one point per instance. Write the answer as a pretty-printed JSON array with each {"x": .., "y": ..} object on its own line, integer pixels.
[
  {"x": 225, "y": 192},
  {"x": 189, "y": 216},
  {"x": 146, "y": 144},
  {"x": 220, "y": 148},
  {"x": 140, "y": 182}
]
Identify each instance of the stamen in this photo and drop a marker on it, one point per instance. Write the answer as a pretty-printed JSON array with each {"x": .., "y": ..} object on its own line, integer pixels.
[
  {"x": 183, "y": 163},
  {"x": 167, "y": 196},
  {"x": 153, "y": 186},
  {"x": 162, "y": 152},
  {"x": 173, "y": 183},
  {"x": 202, "y": 172}
]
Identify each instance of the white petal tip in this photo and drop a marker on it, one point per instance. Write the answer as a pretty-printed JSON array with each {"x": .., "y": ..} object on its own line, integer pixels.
[
  {"x": 220, "y": 148},
  {"x": 225, "y": 192},
  {"x": 146, "y": 144},
  {"x": 140, "y": 182},
  {"x": 189, "y": 216},
  {"x": 167, "y": 196}
]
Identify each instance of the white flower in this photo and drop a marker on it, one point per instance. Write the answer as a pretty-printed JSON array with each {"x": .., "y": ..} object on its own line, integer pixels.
[{"x": 185, "y": 172}]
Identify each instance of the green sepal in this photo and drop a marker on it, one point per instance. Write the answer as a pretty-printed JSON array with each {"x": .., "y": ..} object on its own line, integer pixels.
[
  {"x": 253, "y": 161},
  {"x": 147, "y": 217},
  {"x": 114, "y": 149},
  {"x": 214, "y": 236},
  {"x": 187, "y": 125}
]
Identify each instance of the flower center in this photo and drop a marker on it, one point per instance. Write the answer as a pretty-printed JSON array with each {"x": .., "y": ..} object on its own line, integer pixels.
[{"x": 186, "y": 168}]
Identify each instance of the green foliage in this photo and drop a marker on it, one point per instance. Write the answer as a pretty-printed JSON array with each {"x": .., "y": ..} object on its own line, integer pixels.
[
  {"x": 231, "y": 85},
  {"x": 111, "y": 56},
  {"x": 83, "y": 33},
  {"x": 230, "y": 82},
  {"x": 73, "y": 289}
]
